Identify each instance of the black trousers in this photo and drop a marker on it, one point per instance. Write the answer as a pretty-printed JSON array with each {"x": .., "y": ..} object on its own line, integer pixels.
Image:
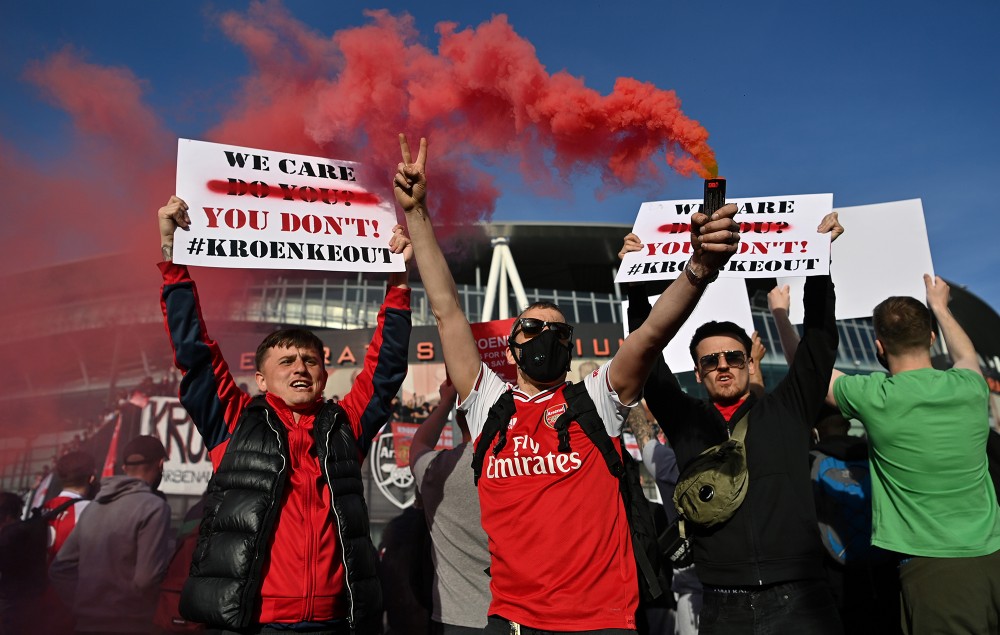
[{"x": 802, "y": 606}]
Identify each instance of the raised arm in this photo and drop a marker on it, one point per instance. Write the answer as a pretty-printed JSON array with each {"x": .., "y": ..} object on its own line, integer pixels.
[
  {"x": 662, "y": 391},
  {"x": 461, "y": 357},
  {"x": 779, "y": 298},
  {"x": 779, "y": 302},
  {"x": 713, "y": 243},
  {"x": 810, "y": 370},
  {"x": 830, "y": 225},
  {"x": 368, "y": 403},
  {"x": 757, "y": 352},
  {"x": 640, "y": 427},
  {"x": 208, "y": 391},
  {"x": 427, "y": 435},
  {"x": 960, "y": 347}
]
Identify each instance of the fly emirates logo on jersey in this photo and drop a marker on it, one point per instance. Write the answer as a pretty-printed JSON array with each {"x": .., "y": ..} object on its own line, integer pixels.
[{"x": 527, "y": 460}]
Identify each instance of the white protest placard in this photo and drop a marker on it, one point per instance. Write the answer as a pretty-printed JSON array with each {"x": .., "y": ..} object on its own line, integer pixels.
[
  {"x": 258, "y": 209},
  {"x": 883, "y": 251},
  {"x": 777, "y": 237},
  {"x": 188, "y": 467},
  {"x": 723, "y": 300}
]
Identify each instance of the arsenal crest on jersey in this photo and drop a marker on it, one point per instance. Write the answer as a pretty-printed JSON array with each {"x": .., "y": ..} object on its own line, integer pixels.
[{"x": 552, "y": 414}]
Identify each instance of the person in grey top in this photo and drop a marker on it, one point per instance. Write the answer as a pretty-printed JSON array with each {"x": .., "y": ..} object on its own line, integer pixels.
[
  {"x": 451, "y": 505},
  {"x": 110, "y": 568}
]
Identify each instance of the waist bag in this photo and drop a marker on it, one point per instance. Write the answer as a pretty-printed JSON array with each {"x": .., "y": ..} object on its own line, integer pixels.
[{"x": 714, "y": 484}]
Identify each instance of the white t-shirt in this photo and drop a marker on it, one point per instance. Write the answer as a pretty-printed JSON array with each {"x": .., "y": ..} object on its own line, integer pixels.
[{"x": 560, "y": 546}]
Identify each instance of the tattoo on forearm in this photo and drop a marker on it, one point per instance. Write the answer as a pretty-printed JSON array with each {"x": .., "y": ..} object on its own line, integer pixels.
[
  {"x": 643, "y": 435},
  {"x": 641, "y": 429},
  {"x": 168, "y": 251}
]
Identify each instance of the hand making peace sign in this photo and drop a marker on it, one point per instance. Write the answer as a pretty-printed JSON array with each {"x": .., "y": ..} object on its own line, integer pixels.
[{"x": 410, "y": 184}]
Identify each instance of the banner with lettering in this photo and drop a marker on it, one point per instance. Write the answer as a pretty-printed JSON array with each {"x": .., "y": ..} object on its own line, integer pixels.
[
  {"x": 260, "y": 209},
  {"x": 188, "y": 468},
  {"x": 778, "y": 238},
  {"x": 491, "y": 339}
]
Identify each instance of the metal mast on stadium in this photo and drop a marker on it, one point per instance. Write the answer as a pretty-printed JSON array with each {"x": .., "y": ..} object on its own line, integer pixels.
[{"x": 502, "y": 271}]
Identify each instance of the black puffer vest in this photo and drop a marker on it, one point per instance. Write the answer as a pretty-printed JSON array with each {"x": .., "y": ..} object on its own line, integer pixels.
[{"x": 241, "y": 506}]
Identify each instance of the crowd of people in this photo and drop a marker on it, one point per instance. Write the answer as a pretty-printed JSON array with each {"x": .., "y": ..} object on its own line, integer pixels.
[{"x": 543, "y": 535}]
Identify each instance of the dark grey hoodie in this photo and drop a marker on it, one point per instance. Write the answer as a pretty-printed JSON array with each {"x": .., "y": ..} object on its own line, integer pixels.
[{"x": 110, "y": 568}]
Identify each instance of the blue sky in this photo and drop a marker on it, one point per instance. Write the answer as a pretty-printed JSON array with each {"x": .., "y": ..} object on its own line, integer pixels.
[{"x": 871, "y": 101}]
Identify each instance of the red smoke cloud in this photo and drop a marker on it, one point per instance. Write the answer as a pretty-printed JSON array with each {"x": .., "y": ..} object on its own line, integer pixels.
[
  {"x": 116, "y": 165},
  {"x": 484, "y": 94},
  {"x": 482, "y": 98}
]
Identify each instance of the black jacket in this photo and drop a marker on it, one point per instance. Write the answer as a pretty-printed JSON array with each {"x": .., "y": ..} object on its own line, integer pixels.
[
  {"x": 242, "y": 504},
  {"x": 773, "y": 536}
]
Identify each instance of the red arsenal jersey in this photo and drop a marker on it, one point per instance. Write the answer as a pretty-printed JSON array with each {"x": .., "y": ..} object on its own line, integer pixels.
[
  {"x": 61, "y": 526},
  {"x": 560, "y": 546}
]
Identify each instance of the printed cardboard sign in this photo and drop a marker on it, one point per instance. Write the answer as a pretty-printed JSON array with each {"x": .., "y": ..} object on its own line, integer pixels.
[
  {"x": 777, "y": 238},
  {"x": 257, "y": 209}
]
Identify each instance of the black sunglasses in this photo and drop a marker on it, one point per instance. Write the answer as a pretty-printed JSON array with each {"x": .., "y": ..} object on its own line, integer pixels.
[
  {"x": 533, "y": 326},
  {"x": 734, "y": 359}
]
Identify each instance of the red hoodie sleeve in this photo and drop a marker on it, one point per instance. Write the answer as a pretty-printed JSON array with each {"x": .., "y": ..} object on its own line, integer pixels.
[
  {"x": 369, "y": 402},
  {"x": 208, "y": 391}
]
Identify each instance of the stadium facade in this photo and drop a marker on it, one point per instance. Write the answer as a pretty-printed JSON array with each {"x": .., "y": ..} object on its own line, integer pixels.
[{"x": 86, "y": 352}]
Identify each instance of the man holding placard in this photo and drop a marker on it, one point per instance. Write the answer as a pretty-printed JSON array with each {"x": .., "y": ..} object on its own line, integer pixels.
[
  {"x": 560, "y": 545},
  {"x": 932, "y": 497},
  {"x": 763, "y": 564},
  {"x": 284, "y": 544}
]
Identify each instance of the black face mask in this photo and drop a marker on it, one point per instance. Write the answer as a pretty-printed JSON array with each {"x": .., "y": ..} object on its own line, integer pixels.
[{"x": 544, "y": 357}]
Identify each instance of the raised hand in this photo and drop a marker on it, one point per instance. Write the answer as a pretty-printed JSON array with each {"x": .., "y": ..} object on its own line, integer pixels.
[
  {"x": 938, "y": 292},
  {"x": 831, "y": 225},
  {"x": 171, "y": 216},
  {"x": 399, "y": 243},
  {"x": 757, "y": 349},
  {"x": 779, "y": 298},
  {"x": 631, "y": 243},
  {"x": 410, "y": 183},
  {"x": 714, "y": 240}
]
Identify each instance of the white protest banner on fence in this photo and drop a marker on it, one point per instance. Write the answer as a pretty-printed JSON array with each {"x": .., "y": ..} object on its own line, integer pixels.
[
  {"x": 188, "y": 468},
  {"x": 257, "y": 209},
  {"x": 723, "y": 300},
  {"x": 778, "y": 238},
  {"x": 883, "y": 251}
]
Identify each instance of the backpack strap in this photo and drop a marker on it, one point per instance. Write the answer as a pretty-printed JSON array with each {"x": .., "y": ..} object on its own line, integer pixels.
[
  {"x": 496, "y": 424},
  {"x": 49, "y": 514},
  {"x": 740, "y": 430},
  {"x": 581, "y": 408}
]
